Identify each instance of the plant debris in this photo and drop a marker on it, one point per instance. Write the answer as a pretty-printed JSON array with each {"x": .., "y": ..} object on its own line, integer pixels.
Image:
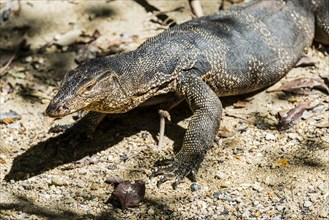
[
  {"x": 9, "y": 117},
  {"x": 292, "y": 116},
  {"x": 129, "y": 193},
  {"x": 297, "y": 86}
]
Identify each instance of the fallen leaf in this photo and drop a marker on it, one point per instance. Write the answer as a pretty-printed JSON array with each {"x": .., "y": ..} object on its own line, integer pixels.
[
  {"x": 9, "y": 117},
  {"x": 224, "y": 132},
  {"x": 130, "y": 194},
  {"x": 240, "y": 104},
  {"x": 114, "y": 180},
  {"x": 297, "y": 84},
  {"x": 306, "y": 61},
  {"x": 238, "y": 157},
  {"x": 282, "y": 162},
  {"x": 292, "y": 116}
]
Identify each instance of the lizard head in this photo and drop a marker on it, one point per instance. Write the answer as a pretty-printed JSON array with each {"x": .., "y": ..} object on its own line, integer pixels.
[{"x": 85, "y": 88}]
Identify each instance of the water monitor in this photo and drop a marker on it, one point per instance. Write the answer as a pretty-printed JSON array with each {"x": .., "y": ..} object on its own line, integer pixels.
[{"x": 239, "y": 50}]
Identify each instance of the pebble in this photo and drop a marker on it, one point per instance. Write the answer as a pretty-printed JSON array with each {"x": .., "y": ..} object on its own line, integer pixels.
[
  {"x": 307, "y": 203},
  {"x": 57, "y": 181},
  {"x": 81, "y": 184},
  {"x": 280, "y": 207},
  {"x": 218, "y": 195},
  {"x": 151, "y": 211},
  {"x": 257, "y": 187},
  {"x": 270, "y": 137},
  {"x": 323, "y": 213},
  {"x": 277, "y": 217},
  {"x": 219, "y": 175},
  {"x": 195, "y": 187}
]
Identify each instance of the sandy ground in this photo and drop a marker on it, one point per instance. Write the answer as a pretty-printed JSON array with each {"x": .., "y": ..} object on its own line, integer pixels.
[{"x": 257, "y": 172}]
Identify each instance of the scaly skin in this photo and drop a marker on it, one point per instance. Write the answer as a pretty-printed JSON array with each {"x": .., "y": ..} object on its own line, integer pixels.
[{"x": 240, "y": 50}]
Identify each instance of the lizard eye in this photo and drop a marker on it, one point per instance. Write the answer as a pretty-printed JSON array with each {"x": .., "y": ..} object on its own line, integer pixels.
[{"x": 88, "y": 88}]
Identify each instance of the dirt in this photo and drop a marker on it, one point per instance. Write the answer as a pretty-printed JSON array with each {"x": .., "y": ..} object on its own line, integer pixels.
[{"x": 254, "y": 172}]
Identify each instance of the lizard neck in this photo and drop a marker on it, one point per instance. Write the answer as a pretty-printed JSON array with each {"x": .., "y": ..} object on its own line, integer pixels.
[{"x": 140, "y": 79}]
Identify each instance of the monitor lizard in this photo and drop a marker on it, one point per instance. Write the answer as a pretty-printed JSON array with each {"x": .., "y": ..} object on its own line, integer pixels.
[{"x": 240, "y": 50}]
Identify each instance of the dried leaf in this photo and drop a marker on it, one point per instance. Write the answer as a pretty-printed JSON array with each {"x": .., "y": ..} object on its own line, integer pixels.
[
  {"x": 224, "y": 132},
  {"x": 322, "y": 125},
  {"x": 282, "y": 162},
  {"x": 130, "y": 194},
  {"x": 292, "y": 117},
  {"x": 238, "y": 157},
  {"x": 114, "y": 180},
  {"x": 240, "y": 104},
  {"x": 9, "y": 117},
  {"x": 306, "y": 61},
  {"x": 311, "y": 83}
]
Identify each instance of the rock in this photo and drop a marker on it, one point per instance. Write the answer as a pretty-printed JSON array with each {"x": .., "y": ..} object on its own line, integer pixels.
[
  {"x": 307, "y": 203},
  {"x": 219, "y": 175},
  {"x": 151, "y": 211},
  {"x": 280, "y": 207},
  {"x": 57, "y": 181},
  {"x": 218, "y": 195},
  {"x": 195, "y": 187},
  {"x": 323, "y": 213},
  {"x": 80, "y": 184},
  {"x": 270, "y": 137},
  {"x": 256, "y": 186},
  {"x": 277, "y": 217}
]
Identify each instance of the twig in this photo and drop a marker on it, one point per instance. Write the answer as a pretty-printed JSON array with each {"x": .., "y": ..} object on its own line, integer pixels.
[{"x": 3, "y": 69}]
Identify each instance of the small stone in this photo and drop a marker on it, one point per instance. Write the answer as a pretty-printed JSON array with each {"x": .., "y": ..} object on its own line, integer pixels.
[
  {"x": 28, "y": 59},
  {"x": 94, "y": 186},
  {"x": 224, "y": 184},
  {"x": 292, "y": 136},
  {"x": 219, "y": 175},
  {"x": 307, "y": 203},
  {"x": 80, "y": 184},
  {"x": 257, "y": 187},
  {"x": 57, "y": 181},
  {"x": 270, "y": 137},
  {"x": 195, "y": 187},
  {"x": 280, "y": 207},
  {"x": 277, "y": 217},
  {"x": 323, "y": 213},
  {"x": 83, "y": 171},
  {"x": 151, "y": 211},
  {"x": 218, "y": 195}
]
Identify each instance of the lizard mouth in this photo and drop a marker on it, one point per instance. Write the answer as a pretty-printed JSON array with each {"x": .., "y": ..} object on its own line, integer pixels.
[{"x": 57, "y": 110}]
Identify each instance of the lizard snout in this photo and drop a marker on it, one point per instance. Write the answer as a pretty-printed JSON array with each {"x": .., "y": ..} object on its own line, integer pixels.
[{"x": 57, "y": 109}]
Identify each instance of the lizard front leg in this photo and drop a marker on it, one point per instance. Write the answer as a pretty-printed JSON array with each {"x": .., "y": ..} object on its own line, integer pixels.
[{"x": 200, "y": 133}]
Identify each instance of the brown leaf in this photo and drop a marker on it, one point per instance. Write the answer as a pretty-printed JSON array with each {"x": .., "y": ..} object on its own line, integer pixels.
[
  {"x": 311, "y": 83},
  {"x": 282, "y": 162},
  {"x": 292, "y": 117},
  {"x": 130, "y": 194}
]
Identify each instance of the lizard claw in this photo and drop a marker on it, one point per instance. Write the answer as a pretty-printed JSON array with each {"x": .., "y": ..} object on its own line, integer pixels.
[{"x": 174, "y": 169}]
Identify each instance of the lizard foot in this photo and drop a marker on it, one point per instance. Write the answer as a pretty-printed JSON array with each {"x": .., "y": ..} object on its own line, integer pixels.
[{"x": 174, "y": 169}]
